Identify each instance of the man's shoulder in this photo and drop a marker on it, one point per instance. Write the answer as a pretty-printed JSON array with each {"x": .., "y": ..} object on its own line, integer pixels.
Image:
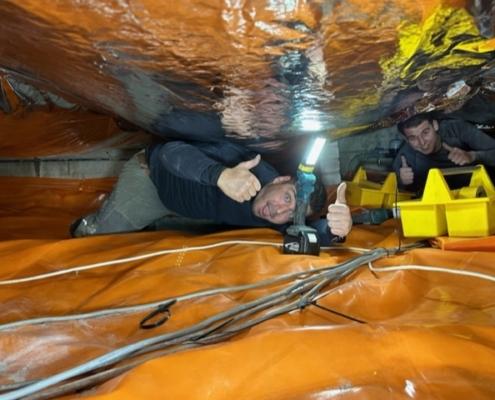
[{"x": 454, "y": 126}]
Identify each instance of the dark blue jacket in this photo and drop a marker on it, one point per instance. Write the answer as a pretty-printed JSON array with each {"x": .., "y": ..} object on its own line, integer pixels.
[
  {"x": 456, "y": 133},
  {"x": 186, "y": 174}
]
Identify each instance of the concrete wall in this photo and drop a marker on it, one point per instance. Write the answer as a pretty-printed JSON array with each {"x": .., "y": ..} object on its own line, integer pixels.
[
  {"x": 370, "y": 150},
  {"x": 338, "y": 159},
  {"x": 95, "y": 164}
]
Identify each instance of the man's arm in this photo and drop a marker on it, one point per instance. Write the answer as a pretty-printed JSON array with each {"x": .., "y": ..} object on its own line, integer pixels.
[
  {"x": 481, "y": 146},
  {"x": 188, "y": 161},
  {"x": 220, "y": 164}
]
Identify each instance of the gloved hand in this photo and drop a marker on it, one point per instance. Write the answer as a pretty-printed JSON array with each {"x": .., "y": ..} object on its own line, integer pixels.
[
  {"x": 339, "y": 216},
  {"x": 238, "y": 182}
]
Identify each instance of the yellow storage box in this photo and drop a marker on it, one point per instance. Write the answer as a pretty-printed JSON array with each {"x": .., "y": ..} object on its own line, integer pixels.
[
  {"x": 469, "y": 211},
  {"x": 473, "y": 211},
  {"x": 362, "y": 192},
  {"x": 426, "y": 217}
]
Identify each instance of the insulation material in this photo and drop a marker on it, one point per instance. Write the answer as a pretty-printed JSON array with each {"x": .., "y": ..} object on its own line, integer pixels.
[
  {"x": 47, "y": 125},
  {"x": 261, "y": 71}
]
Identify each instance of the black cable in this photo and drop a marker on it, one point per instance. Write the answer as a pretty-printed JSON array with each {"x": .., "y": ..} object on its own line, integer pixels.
[
  {"x": 396, "y": 208},
  {"x": 338, "y": 313}
]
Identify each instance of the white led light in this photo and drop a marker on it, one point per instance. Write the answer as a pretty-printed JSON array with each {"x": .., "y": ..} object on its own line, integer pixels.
[{"x": 315, "y": 151}]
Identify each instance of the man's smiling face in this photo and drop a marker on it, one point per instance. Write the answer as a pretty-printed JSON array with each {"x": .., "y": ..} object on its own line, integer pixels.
[
  {"x": 424, "y": 137},
  {"x": 276, "y": 202}
]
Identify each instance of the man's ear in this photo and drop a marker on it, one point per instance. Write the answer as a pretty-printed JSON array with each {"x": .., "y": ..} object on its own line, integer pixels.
[
  {"x": 282, "y": 179},
  {"x": 435, "y": 125}
]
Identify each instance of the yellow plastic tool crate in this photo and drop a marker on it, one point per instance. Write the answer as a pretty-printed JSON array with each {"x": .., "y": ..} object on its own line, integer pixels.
[
  {"x": 469, "y": 211},
  {"x": 362, "y": 192}
]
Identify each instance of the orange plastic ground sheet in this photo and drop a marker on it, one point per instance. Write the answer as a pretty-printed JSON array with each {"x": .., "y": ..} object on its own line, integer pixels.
[
  {"x": 39, "y": 208},
  {"x": 422, "y": 334}
]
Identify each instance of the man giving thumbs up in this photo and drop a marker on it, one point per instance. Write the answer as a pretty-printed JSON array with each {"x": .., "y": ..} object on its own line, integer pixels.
[
  {"x": 431, "y": 143},
  {"x": 217, "y": 183},
  {"x": 459, "y": 156},
  {"x": 406, "y": 174},
  {"x": 239, "y": 183},
  {"x": 339, "y": 216}
]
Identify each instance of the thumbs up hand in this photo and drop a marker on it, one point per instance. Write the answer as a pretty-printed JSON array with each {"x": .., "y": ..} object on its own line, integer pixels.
[
  {"x": 239, "y": 183},
  {"x": 459, "y": 156},
  {"x": 339, "y": 216},
  {"x": 406, "y": 174}
]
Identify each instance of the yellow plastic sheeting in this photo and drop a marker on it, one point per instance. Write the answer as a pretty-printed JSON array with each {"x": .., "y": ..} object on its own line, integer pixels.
[
  {"x": 445, "y": 40},
  {"x": 441, "y": 37},
  {"x": 426, "y": 334}
]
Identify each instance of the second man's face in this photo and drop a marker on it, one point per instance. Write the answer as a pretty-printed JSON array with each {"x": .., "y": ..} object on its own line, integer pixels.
[{"x": 424, "y": 137}]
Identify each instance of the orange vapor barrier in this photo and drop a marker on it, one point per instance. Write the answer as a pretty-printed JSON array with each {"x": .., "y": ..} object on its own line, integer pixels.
[
  {"x": 45, "y": 133},
  {"x": 30, "y": 131},
  {"x": 43, "y": 208},
  {"x": 370, "y": 335}
]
